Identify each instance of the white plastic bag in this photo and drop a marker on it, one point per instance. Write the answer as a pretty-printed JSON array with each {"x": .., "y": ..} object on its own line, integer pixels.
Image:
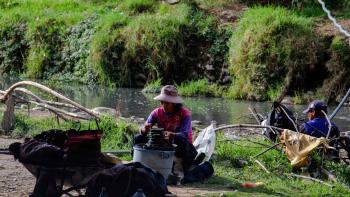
[{"x": 205, "y": 141}]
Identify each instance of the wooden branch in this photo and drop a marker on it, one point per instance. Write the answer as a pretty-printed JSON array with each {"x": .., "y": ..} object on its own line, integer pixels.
[
  {"x": 254, "y": 115},
  {"x": 262, "y": 166},
  {"x": 310, "y": 178},
  {"x": 329, "y": 175},
  {"x": 61, "y": 111},
  {"x": 18, "y": 99},
  {"x": 246, "y": 126},
  {"x": 28, "y": 92},
  {"x": 332, "y": 177},
  {"x": 48, "y": 90},
  {"x": 267, "y": 150},
  {"x": 8, "y": 121},
  {"x": 57, "y": 111}
]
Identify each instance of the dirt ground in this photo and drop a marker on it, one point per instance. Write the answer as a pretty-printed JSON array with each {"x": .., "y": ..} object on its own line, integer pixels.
[{"x": 16, "y": 181}]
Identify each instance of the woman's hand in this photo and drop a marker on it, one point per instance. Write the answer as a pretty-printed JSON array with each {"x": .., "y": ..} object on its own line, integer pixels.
[
  {"x": 146, "y": 128},
  {"x": 169, "y": 135}
]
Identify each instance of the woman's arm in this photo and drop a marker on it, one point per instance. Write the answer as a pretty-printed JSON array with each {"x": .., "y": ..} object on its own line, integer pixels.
[
  {"x": 148, "y": 124},
  {"x": 186, "y": 127}
]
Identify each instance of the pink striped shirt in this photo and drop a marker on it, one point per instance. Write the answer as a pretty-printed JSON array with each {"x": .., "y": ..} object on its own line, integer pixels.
[{"x": 178, "y": 122}]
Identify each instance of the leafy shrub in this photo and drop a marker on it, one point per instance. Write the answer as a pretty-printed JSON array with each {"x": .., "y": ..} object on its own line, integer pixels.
[
  {"x": 13, "y": 47},
  {"x": 338, "y": 81},
  {"x": 107, "y": 47},
  {"x": 272, "y": 47},
  {"x": 122, "y": 52},
  {"x": 157, "y": 39},
  {"x": 77, "y": 50},
  {"x": 46, "y": 40}
]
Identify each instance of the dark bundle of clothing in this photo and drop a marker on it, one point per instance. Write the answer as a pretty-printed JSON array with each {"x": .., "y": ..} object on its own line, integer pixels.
[
  {"x": 198, "y": 173},
  {"x": 37, "y": 153},
  {"x": 124, "y": 180}
]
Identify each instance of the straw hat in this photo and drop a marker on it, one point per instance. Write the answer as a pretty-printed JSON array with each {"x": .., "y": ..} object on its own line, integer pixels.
[{"x": 169, "y": 94}]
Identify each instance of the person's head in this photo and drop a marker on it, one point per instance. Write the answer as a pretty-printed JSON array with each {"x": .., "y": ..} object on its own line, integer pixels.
[
  {"x": 315, "y": 108},
  {"x": 169, "y": 98}
]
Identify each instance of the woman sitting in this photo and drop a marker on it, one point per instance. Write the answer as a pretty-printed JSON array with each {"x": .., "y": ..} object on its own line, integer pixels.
[{"x": 176, "y": 122}]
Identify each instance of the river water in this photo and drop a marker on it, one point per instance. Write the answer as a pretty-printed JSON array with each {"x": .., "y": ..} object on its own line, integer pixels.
[{"x": 132, "y": 102}]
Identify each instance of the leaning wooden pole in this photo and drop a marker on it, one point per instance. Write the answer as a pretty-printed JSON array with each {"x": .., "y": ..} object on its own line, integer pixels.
[
  {"x": 245, "y": 126},
  {"x": 8, "y": 120}
]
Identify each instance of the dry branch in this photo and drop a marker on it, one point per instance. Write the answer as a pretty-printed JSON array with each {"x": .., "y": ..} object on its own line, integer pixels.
[
  {"x": 262, "y": 166},
  {"x": 10, "y": 90},
  {"x": 246, "y": 126},
  {"x": 310, "y": 178},
  {"x": 37, "y": 98}
]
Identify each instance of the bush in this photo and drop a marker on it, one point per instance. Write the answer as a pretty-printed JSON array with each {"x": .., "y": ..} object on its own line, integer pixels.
[
  {"x": 338, "y": 82},
  {"x": 271, "y": 47},
  {"x": 107, "y": 48},
  {"x": 13, "y": 46},
  {"x": 150, "y": 43},
  {"x": 45, "y": 41},
  {"x": 77, "y": 50}
]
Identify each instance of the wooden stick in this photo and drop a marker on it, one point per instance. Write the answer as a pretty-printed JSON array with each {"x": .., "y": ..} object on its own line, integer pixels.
[
  {"x": 267, "y": 150},
  {"x": 48, "y": 90},
  {"x": 329, "y": 175},
  {"x": 332, "y": 177},
  {"x": 28, "y": 92},
  {"x": 117, "y": 152},
  {"x": 261, "y": 144},
  {"x": 310, "y": 178},
  {"x": 246, "y": 126},
  {"x": 254, "y": 115},
  {"x": 262, "y": 166}
]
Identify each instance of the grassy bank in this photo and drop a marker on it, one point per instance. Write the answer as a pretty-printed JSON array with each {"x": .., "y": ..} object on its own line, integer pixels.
[
  {"x": 271, "y": 49},
  {"x": 120, "y": 43},
  {"x": 232, "y": 161}
]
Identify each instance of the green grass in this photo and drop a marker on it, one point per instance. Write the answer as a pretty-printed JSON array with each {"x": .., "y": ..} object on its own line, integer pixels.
[
  {"x": 153, "y": 86},
  {"x": 229, "y": 174},
  {"x": 42, "y": 39},
  {"x": 138, "y": 6},
  {"x": 210, "y": 4},
  {"x": 111, "y": 42},
  {"x": 200, "y": 88}
]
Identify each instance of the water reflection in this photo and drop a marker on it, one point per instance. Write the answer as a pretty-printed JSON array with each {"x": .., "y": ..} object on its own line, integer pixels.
[{"x": 132, "y": 102}]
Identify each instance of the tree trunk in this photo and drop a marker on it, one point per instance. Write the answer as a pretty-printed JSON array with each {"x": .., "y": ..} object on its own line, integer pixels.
[{"x": 8, "y": 121}]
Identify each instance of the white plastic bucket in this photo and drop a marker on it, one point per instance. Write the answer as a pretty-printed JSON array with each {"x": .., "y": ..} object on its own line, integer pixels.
[{"x": 159, "y": 160}]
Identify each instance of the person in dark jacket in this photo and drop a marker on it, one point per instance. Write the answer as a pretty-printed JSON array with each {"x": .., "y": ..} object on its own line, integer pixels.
[{"x": 317, "y": 124}]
